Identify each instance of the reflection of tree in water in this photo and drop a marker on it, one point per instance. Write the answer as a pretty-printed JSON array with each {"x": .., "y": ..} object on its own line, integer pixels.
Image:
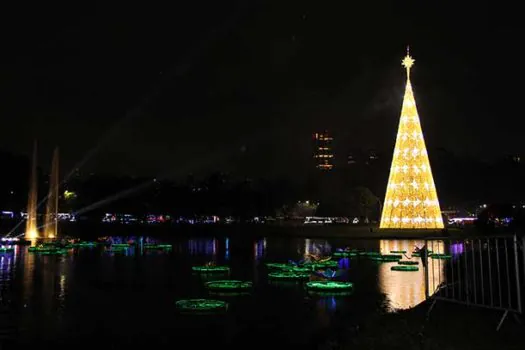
[
  {"x": 384, "y": 303},
  {"x": 316, "y": 247},
  {"x": 407, "y": 289}
]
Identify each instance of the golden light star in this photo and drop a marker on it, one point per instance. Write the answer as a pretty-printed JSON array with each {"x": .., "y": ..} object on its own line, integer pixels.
[{"x": 408, "y": 61}]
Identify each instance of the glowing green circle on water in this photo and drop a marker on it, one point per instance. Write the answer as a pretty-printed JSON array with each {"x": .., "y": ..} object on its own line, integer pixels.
[
  {"x": 157, "y": 246},
  {"x": 299, "y": 269},
  {"x": 386, "y": 258},
  {"x": 200, "y": 306},
  {"x": 54, "y": 252},
  {"x": 398, "y": 252},
  {"x": 441, "y": 256},
  {"x": 229, "y": 286},
  {"x": 339, "y": 293},
  {"x": 120, "y": 245},
  {"x": 85, "y": 244},
  {"x": 288, "y": 275},
  {"x": 41, "y": 249},
  {"x": 278, "y": 266},
  {"x": 329, "y": 286},
  {"x": 117, "y": 250},
  {"x": 211, "y": 269},
  {"x": 404, "y": 268},
  {"x": 392, "y": 256},
  {"x": 164, "y": 246},
  {"x": 419, "y": 253},
  {"x": 369, "y": 253},
  {"x": 345, "y": 254},
  {"x": 406, "y": 262},
  {"x": 6, "y": 249},
  {"x": 321, "y": 264},
  {"x": 288, "y": 267}
]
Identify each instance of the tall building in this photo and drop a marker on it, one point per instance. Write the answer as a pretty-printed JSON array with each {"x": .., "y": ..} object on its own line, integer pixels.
[
  {"x": 411, "y": 200},
  {"x": 323, "y": 151}
]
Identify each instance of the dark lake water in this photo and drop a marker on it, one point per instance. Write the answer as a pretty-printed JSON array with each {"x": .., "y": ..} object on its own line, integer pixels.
[{"x": 92, "y": 297}]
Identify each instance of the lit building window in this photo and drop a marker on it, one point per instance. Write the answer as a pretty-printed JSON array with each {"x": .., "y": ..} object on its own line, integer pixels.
[{"x": 322, "y": 151}]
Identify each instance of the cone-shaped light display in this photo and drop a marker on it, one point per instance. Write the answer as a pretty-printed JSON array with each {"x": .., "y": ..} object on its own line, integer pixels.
[{"x": 411, "y": 200}]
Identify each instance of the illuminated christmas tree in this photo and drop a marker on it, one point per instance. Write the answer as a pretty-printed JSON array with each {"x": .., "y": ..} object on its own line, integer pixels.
[{"x": 411, "y": 200}]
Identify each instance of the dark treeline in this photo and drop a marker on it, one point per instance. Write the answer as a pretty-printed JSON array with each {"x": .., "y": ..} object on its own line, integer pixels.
[
  {"x": 219, "y": 194},
  {"x": 349, "y": 190}
]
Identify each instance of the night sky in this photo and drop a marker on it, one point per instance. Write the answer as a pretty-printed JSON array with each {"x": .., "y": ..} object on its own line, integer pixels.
[{"x": 241, "y": 86}]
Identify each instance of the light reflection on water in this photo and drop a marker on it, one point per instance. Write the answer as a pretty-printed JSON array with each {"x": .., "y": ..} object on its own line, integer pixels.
[
  {"x": 28, "y": 273},
  {"x": 407, "y": 289},
  {"x": 456, "y": 249},
  {"x": 227, "y": 249},
  {"x": 203, "y": 246},
  {"x": 259, "y": 248},
  {"x": 315, "y": 247},
  {"x": 50, "y": 283},
  {"x": 326, "y": 307}
]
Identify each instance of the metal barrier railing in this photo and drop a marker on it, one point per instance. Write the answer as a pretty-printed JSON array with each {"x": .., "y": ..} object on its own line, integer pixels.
[{"x": 481, "y": 271}]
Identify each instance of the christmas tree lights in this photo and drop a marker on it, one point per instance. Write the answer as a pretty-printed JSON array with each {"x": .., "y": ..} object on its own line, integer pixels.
[{"x": 411, "y": 200}]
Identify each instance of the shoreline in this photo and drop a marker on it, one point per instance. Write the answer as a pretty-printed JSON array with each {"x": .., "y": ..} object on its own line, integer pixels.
[
  {"x": 89, "y": 230},
  {"x": 253, "y": 230},
  {"x": 448, "y": 327}
]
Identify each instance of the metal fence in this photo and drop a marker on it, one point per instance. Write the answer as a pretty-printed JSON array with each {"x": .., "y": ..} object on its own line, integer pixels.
[{"x": 486, "y": 272}]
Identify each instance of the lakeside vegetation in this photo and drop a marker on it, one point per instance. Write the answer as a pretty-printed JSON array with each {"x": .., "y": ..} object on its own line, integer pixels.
[{"x": 448, "y": 327}]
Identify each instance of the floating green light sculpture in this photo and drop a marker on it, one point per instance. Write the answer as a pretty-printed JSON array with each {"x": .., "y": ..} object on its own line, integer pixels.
[
  {"x": 84, "y": 244},
  {"x": 404, "y": 268},
  {"x": 42, "y": 248},
  {"x": 278, "y": 266},
  {"x": 288, "y": 275},
  {"x": 369, "y": 253},
  {"x": 392, "y": 256},
  {"x": 288, "y": 267},
  {"x": 398, "y": 251},
  {"x": 54, "y": 252},
  {"x": 211, "y": 269},
  {"x": 158, "y": 246},
  {"x": 120, "y": 245},
  {"x": 329, "y": 286},
  {"x": 321, "y": 264},
  {"x": 201, "y": 306},
  {"x": 407, "y": 262},
  {"x": 6, "y": 249},
  {"x": 299, "y": 269},
  {"x": 229, "y": 286},
  {"x": 418, "y": 253},
  {"x": 345, "y": 254},
  {"x": 441, "y": 256},
  {"x": 117, "y": 250},
  {"x": 386, "y": 258}
]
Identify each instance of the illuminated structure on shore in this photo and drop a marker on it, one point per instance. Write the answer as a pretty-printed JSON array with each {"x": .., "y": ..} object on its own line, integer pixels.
[
  {"x": 31, "y": 221},
  {"x": 411, "y": 200}
]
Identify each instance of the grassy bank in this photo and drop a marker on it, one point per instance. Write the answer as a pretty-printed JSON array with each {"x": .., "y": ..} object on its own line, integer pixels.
[{"x": 449, "y": 327}]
